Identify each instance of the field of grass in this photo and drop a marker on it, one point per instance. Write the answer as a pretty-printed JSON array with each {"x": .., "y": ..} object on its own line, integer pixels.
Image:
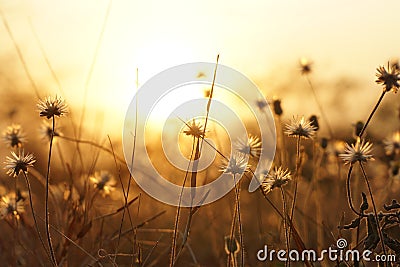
[
  {"x": 67, "y": 197},
  {"x": 321, "y": 189}
]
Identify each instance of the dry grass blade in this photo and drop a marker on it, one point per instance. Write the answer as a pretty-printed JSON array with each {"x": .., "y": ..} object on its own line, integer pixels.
[{"x": 74, "y": 243}]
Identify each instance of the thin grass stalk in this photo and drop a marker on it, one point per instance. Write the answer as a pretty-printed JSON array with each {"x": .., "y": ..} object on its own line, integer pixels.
[
  {"x": 285, "y": 224},
  {"x": 372, "y": 114},
  {"x": 19, "y": 53},
  {"x": 46, "y": 218},
  {"x": 92, "y": 65},
  {"x": 282, "y": 142},
  {"x": 296, "y": 178},
  {"x": 199, "y": 147},
  {"x": 237, "y": 194},
  {"x": 45, "y": 57},
  {"x": 34, "y": 216},
  {"x": 374, "y": 207},
  {"x": 130, "y": 174},
  {"x": 330, "y": 130},
  {"x": 193, "y": 184},
  {"x": 178, "y": 210},
  {"x": 231, "y": 236},
  {"x": 74, "y": 243},
  {"x": 126, "y": 209}
]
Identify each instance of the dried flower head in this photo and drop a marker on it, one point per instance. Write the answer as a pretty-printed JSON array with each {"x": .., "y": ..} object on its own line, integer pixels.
[
  {"x": 305, "y": 66},
  {"x": 237, "y": 164},
  {"x": 52, "y": 107},
  {"x": 358, "y": 126},
  {"x": 300, "y": 127},
  {"x": 394, "y": 169},
  {"x": 262, "y": 170},
  {"x": 276, "y": 178},
  {"x": 277, "y": 106},
  {"x": 388, "y": 78},
  {"x": 46, "y": 130},
  {"x": 18, "y": 163},
  {"x": 195, "y": 129},
  {"x": 13, "y": 136},
  {"x": 392, "y": 144},
  {"x": 360, "y": 151},
  {"x": 250, "y": 145},
  {"x": 324, "y": 142},
  {"x": 314, "y": 122},
  {"x": 104, "y": 182},
  {"x": 11, "y": 207}
]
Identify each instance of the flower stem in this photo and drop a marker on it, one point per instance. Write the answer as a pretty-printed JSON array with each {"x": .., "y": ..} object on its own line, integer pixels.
[
  {"x": 349, "y": 198},
  {"x": 34, "y": 215},
  {"x": 372, "y": 114},
  {"x": 296, "y": 177},
  {"x": 237, "y": 190},
  {"x": 331, "y": 134},
  {"x": 285, "y": 224},
  {"x": 46, "y": 218},
  {"x": 374, "y": 206}
]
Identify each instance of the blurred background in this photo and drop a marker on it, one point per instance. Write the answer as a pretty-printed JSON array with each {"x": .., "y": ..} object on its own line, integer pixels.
[
  {"x": 94, "y": 48},
  {"x": 95, "y": 53}
]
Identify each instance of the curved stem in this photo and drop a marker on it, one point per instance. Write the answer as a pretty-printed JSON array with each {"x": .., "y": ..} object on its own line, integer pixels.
[
  {"x": 34, "y": 216},
  {"x": 46, "y": 218},
  {"x": 349, "y": 198},
  {"x": 374, "y": 206},
  {"x": 372, "y": 114}
]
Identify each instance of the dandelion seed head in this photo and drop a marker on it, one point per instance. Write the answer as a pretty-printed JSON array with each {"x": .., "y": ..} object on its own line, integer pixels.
[
  {"x": 10, "y": 207},
  {"x": 392, "y": 144},
  {"x": 250, "y": 145},
  {"x": 50, "y": 107},
  {"x": 299, "y": 127},
  {"x": 276, "y": 178},
  {"x": 195, "y": 129},
  {"x": 389, "y": 77},
  {"x": 17, "y": 163},
  {"x": 358, "y": 152},
  {"x": 104, "y": 182},
  {"x": 237, "y": 164},
  {"x": 14, "y": 136}
]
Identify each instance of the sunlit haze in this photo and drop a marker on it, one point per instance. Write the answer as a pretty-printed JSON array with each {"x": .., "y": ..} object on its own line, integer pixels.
[{"x": 262, "y": 39}]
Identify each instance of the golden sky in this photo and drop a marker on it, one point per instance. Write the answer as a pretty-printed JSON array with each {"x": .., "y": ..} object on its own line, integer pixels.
[{"x": 262, "y": 39}]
